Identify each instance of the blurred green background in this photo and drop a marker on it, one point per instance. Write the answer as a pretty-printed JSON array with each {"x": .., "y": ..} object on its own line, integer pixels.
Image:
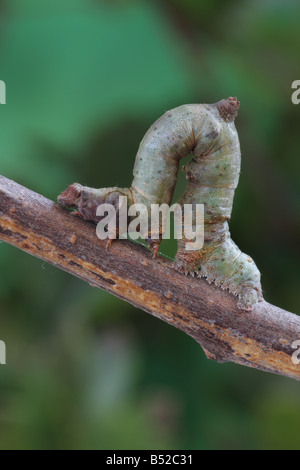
[{"x": 85, "y": 79}]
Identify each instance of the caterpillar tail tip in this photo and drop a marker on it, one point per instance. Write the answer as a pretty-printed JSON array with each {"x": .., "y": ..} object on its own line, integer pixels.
[{"x": 248, "y": 299}]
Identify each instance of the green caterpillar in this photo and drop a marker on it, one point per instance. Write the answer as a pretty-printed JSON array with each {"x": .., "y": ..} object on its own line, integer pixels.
[{"x": 208, "y": 132}]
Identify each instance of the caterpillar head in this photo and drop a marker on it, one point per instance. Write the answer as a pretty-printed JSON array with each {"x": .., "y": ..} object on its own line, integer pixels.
[{"x": 86, "y": 200}]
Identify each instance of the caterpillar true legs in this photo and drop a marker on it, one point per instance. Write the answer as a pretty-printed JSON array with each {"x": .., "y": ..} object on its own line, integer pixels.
[{"x": 208, "y": 132}]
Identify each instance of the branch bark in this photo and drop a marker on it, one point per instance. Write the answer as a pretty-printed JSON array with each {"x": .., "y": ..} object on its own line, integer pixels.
[{"x": 261, "y": 339}]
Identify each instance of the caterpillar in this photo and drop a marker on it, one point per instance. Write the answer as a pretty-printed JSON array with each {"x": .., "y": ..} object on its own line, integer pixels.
[{"x": 208, "y": 133}]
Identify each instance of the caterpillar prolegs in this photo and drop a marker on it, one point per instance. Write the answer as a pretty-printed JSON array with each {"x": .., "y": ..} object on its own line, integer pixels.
[{"x": 206, "y": 131}]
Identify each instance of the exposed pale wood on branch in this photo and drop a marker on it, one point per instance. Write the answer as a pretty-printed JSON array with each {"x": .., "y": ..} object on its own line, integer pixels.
[{"x": 261, "y": 339}]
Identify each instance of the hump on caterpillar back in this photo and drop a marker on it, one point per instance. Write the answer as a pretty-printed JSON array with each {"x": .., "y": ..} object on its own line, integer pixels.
[{"x": 228, "y": 108}]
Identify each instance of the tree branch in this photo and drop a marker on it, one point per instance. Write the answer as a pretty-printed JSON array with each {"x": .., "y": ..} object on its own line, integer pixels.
[{"x": 261, "y": 339}]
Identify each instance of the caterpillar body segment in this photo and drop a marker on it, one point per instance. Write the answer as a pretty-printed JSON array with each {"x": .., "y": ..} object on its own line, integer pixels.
[{"x": 212, "y": 179}]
